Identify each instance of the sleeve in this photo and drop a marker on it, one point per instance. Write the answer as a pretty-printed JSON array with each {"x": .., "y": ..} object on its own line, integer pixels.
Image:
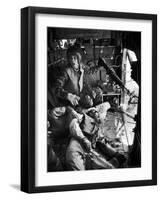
[
  {"x": 60, "y": 82},
  {"x": 75, "y": 130}
]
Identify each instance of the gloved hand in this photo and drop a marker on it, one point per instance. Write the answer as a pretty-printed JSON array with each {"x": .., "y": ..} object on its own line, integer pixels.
[
  {"x": 87, "y": 144},
  {"x": 74, "y": 99}
]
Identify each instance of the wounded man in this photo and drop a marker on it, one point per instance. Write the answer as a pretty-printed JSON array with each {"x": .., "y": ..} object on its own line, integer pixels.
[{"x": 88, "y": 148}]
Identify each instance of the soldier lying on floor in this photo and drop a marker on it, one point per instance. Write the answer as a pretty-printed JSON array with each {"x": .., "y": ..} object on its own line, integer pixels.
[{"x": 88, "y": 148}]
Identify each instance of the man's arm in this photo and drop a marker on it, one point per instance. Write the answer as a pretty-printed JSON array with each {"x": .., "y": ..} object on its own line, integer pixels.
[
  {"x": 77, "y": 133},
  {"x": 59, "y": 86},
  {"x": 64, "y": 94}
]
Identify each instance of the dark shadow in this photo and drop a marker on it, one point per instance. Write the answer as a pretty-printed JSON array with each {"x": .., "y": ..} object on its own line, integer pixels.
[{"x": 15, "y": 186}]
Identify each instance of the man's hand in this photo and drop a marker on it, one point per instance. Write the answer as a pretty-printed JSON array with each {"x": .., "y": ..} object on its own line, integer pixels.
[
  {"x": 87, "y": 144},
  {"x": 74, "y": 99}
]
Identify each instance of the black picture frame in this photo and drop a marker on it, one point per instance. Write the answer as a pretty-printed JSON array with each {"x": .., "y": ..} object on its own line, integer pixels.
[{"x": 28, "y": 91}]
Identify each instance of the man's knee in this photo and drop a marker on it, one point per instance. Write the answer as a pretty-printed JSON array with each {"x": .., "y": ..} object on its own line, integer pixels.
[{"x": 75, "y": 161}]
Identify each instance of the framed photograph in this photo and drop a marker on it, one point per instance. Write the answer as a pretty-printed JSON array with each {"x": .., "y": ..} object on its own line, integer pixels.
[{"x": 88, "y": 99}]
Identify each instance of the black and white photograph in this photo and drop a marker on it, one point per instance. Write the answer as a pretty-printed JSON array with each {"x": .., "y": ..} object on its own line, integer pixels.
[
  {"x": 89, "y": 91},
  {"x": 94, "y": 99}
]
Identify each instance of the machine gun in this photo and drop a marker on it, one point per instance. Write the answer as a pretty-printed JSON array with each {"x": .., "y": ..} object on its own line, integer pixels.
[{"x": 113, "y": 75}]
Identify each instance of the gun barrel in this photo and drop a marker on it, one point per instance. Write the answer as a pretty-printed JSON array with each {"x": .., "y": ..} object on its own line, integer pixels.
[{"x": 113, "y": 74}]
